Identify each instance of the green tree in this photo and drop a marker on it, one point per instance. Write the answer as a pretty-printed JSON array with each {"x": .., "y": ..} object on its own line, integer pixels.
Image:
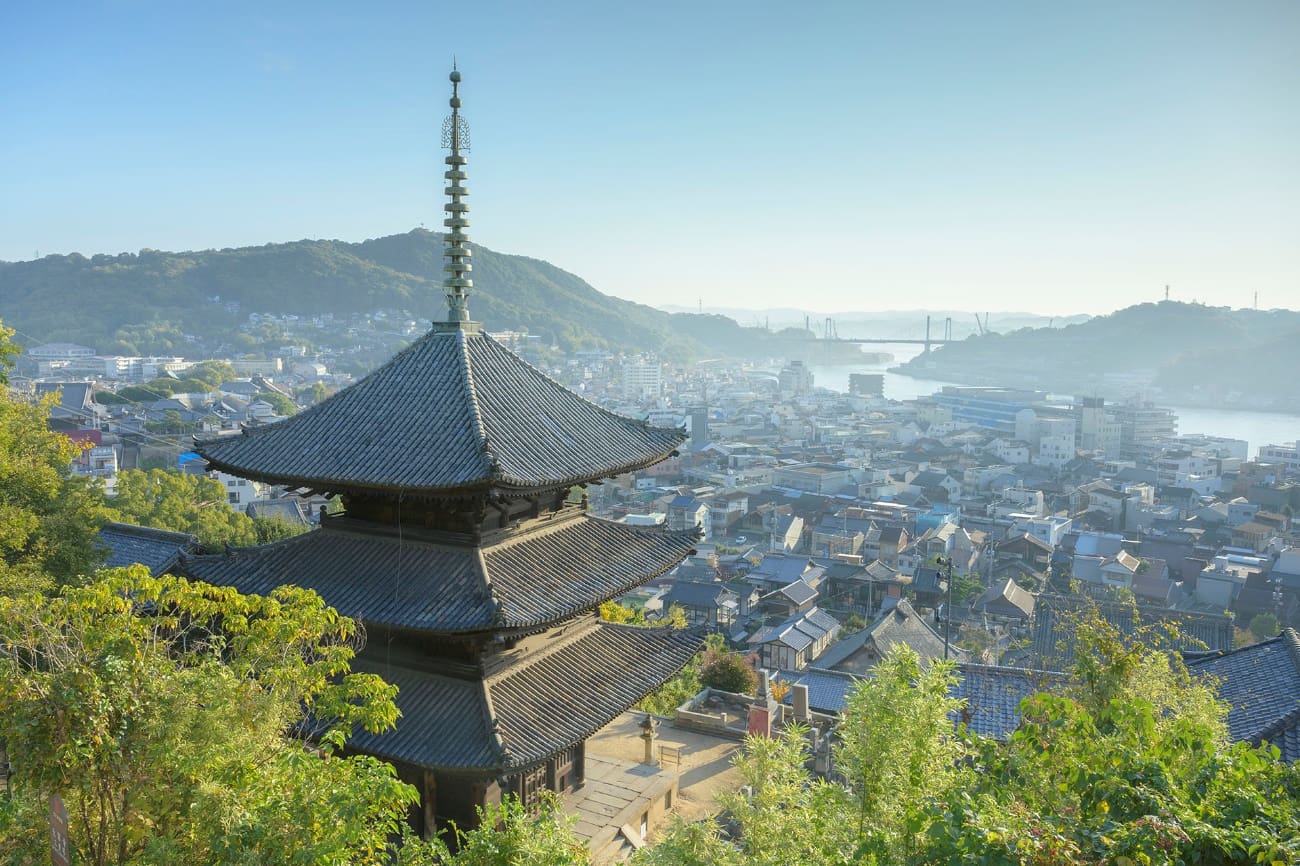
[
  {"x": 507, "y": 835},
  {"x": 48, "y": 515},
  {"x": 854, "y": 622},
  {"x": 212, "y": 373},
  {"x": 612, "y": 611},
  {"x": 269, "y": 529},
  {"x": 1264, "y": 626},
  {"x": 280, "y": 403},
  {"x": 1128, "y": 766},
  {"x": 900, "y": 749},
  {"x": 157, "y": 708},
  {"x": 727, "y": 671},
  {"x": 180, "y": 502},
  {"x": 314, "y": 394}
]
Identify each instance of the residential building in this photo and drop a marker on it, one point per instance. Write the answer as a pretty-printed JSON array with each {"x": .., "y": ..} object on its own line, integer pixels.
[
  {"x": 795, "y": 380},
  {"x": 642, "y": 380}
]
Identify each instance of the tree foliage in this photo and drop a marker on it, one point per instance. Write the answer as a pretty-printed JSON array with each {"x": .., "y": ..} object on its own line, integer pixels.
[
  {"x": 48, "y": 515},
  {"x": 1129, "y": 766},
  {"x": 158, "y": 710},
  {"x": 180, "y": 502},
  {"x": 280, "y": 403},
  {"x": 727, "y": 671},
  {"x": 507, "y": 835}
]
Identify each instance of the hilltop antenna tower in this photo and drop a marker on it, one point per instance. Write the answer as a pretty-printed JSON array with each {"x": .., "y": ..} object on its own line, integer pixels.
[{"x": 455, "y": 136}]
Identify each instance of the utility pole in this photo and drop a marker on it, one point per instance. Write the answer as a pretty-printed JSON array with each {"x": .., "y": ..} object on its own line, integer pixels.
[{"x": 945, "y": 563}]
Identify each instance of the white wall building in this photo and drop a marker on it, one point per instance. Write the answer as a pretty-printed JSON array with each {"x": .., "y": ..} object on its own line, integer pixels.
[{"x": 642, "y": 381}]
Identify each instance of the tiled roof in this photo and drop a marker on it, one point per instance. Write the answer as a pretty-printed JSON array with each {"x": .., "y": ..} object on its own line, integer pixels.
[
  {"x": 1261, "y": 684},
  {"x": 288, "y": 509},
  {"x": 452, "y": 413},
  {"x": 690, "y": 593},
  {"x": 1054, "y": 650},
  {"x": 828, "y": 691},
  {"x": 546, "y": 702},
  {"x": 1006, "y": 599},
  {"x": 797, "y": 592},
  {"x": 799, "y": 631},
  {"x": 993, "y": 695},
  {"x": 902, "y": 625},
  {"x": 414, "y": 580},
  {"x": 155, "y": 548}
]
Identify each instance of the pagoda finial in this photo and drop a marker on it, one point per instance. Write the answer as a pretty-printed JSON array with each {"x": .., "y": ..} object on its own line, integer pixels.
[{"x": 455, "y": 135}]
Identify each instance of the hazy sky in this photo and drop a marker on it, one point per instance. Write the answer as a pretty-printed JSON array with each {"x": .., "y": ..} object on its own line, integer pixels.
[{"x": 1053, "y": 157}]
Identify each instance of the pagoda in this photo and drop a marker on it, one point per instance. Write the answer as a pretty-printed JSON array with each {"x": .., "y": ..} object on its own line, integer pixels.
[{"x": 465, "y": 549}]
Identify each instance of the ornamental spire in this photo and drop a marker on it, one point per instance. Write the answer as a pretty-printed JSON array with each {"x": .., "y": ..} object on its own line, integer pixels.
[{"x": 455, "y": 135}]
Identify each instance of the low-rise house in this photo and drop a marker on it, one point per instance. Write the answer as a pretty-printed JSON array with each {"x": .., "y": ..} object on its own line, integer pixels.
[
  {"x": 794, "y": 644},
  {"x": 687, "y": 512},
  {"x": 823, "y": 478},
  {"x": 786, "y": 533},
  {"x": 860, "y": 652},
  {"x": 776, "y": 571},
  {"x": 1028, "y": 549},
  {"x": 1006, "y": 601},
  {"x": 708, "y": 604}
]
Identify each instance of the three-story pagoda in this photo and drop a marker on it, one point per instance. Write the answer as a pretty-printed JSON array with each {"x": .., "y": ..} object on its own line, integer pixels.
[{"x": 463, "y": 551}]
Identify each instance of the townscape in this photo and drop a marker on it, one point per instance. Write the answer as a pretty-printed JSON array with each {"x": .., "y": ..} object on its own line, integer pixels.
[
  {"x": 394, "y": 580},
  {"x": 823, "y": 530}
]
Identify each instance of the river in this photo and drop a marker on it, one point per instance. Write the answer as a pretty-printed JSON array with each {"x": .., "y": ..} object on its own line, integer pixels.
[{"x": 1256, "y": 428}]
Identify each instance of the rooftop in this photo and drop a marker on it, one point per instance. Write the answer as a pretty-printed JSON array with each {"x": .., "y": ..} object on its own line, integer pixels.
[{"x": 454, "y": 413}]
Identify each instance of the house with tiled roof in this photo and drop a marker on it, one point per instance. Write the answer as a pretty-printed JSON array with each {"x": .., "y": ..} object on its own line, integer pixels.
[
  {"x": 861, "y": 651},
  {"x": 1261, "y": 685},
  {"x": 796, "y": 642},
  {"x": 1006, "y": 601},
  {"x": 1188, "y": 631}
]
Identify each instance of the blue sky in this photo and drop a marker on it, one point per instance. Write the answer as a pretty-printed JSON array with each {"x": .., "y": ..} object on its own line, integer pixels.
[{"x": 1039, "y": 156}]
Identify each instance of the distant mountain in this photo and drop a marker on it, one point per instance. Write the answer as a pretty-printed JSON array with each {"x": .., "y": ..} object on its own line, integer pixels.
[
  {"x": 148, "y": 302},
  {"x": 1181, "y": 353}
]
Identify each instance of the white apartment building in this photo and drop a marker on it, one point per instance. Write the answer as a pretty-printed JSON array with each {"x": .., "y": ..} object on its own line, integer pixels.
[
  {"x": 1288, "y": 454},
  {"x": 642, "y": 381}
]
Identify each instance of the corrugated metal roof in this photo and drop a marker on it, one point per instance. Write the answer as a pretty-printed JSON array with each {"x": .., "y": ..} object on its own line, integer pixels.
[
  {"x": 546, "y": 702},
  {"x": 411, "y": 580},
  {"x": 453, "y": 412}
]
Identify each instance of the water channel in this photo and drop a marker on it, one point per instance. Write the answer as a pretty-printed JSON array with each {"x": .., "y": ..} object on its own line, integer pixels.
[{"x": 1257, "y": 428}]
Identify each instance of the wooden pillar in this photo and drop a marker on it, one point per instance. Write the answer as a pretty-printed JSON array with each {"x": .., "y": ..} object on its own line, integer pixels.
[{"x": 429, "y": 800}]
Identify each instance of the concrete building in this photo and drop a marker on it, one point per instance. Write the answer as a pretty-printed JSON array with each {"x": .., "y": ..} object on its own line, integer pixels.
[
  {"x": 813, "y": 477},
  {"x": 1286, "y": 454},
  {"x": 990, "y": 408},
  {"x": 1099, "y": 429},
  {"x": 795, "y": 380},
  {"x": 642, "y": 381},
  {"x": 1142, "y": 425}
]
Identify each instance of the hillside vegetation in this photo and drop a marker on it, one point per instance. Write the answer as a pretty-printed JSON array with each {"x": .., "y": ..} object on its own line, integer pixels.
[
  {"x": 1189, "y": 352},
  {"x": 158, "y": 302}
]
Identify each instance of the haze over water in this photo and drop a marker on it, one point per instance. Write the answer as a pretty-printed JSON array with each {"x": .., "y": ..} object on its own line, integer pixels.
[{"x": 1257, "y": 428}]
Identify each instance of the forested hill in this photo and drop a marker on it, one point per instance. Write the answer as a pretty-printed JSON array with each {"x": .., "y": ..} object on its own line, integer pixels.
[
  {"x": 1183, "y": 353},
  {"x": 145, "y": 303}
]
